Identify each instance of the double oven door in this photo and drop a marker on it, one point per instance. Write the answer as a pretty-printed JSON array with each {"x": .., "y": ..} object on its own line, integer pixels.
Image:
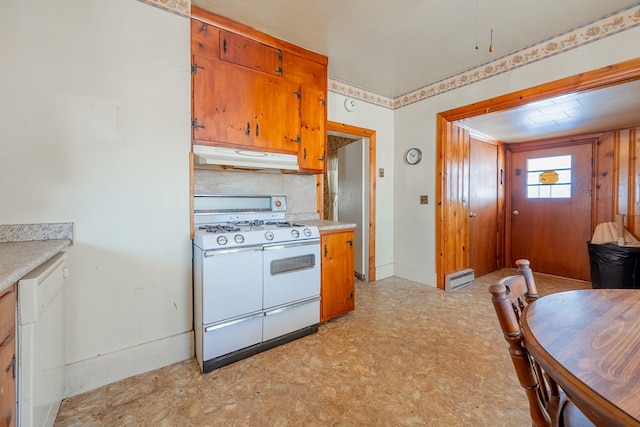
[
  {"x": 291, "y": 287},
  {"x": 254, "y": 294}
]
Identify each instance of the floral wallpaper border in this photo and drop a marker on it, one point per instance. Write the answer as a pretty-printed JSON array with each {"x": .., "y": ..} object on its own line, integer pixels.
[
  {"x": 612, "y": 24},
  {"x": 179, "y": 7},
  {"x": 609, "y": 25}
]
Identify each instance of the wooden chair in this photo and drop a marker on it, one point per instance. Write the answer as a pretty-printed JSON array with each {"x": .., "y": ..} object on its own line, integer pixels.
[{"x": 547, "y": 404}]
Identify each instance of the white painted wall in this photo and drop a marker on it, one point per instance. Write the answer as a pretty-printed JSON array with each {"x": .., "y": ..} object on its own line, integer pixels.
[
  {"x": 381, "y": 120},
  {"x": 94, "y": 124},
  {"x": 415, "y": 126}
]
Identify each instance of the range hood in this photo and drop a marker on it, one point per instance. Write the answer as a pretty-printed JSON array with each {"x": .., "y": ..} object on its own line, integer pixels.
[{"x": 205, "y": 155}]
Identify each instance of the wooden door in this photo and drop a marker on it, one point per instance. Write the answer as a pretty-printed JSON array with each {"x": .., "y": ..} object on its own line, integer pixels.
[
  {"x": 276, "y": 107},
  {"x": 222, "y": 102},
  {"x": 337, "y": 283},
  {"x": 550, "y": 209},
  {"x": 483, "y": 207}
]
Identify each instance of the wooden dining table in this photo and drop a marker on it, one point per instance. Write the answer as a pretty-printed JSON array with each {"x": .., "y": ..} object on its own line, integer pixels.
[{"x": 589, "y": 342}]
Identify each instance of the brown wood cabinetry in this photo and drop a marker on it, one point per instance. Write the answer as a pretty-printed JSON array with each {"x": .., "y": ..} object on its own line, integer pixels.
[
  {"x": 337, "y": 284},
  {"x": 8, "y": 357},
  {"x": 252, "y": 90}
]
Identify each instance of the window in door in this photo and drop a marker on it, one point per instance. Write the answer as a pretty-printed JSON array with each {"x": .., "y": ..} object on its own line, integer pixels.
[{"x": 549, "y": 177}]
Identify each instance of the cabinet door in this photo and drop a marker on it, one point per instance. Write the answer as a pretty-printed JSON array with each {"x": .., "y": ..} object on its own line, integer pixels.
[
  {"x": 313, "y": 130},
  {"x": 222, "y": 102},
  {"x": 337, "y": 289},
  {"x": 250, "y": 53},
  {"x": 204, "y": 39},
  {"x": 276, "y": 105},
  {"x": 7, "y": 357},
  {"x": 312, "y": 76}
]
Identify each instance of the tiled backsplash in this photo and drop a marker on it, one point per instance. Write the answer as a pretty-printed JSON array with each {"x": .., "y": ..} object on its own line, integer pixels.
[{"x": 299, "y": 189}]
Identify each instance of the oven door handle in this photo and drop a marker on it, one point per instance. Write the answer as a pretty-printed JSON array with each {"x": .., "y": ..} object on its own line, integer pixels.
[
  {"x": 233, "y": 322},
  {"x": 211, "y": 253},
  {"x": 291, "y": 245},
  {"x": 290, "y": 306}
]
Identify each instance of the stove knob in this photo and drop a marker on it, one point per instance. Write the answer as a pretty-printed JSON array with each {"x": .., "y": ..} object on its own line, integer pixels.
[
  {"x": 239, "y": 238},
  {"x": 295, "y": 233},
  {"x": 268, "y": 235},
  {"x": 222, "y": 240},
  {"x": 307, "y": 232}
]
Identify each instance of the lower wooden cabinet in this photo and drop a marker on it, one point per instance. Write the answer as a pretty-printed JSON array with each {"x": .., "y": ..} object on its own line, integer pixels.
[
  {"x": 337, "y": 287},
  {"x": 8, "y": 356}
]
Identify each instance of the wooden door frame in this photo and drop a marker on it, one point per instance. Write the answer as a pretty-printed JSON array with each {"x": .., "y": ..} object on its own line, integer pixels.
[
  {"x": 359, "y": 133},
  {"x": 450, "y": 201}
]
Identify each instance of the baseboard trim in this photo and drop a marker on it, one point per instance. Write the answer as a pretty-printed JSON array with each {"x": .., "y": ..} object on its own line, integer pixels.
[{"x": 104, "y": 369}]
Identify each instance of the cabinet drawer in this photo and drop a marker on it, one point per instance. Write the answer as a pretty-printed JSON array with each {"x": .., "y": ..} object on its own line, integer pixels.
[
  {"x": 249, "y": 53},
  {"x": 7, "y": 313},
  {"x": 204, "y": 39}
]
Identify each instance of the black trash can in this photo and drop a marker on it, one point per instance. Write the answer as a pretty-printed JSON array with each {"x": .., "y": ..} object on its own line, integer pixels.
[{"x": 613, "y": 266}]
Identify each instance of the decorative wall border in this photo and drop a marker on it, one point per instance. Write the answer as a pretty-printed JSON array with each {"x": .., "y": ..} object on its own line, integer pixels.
[
  {"x": 614, "y": 23},
  {"x": 179, "y": 7}
]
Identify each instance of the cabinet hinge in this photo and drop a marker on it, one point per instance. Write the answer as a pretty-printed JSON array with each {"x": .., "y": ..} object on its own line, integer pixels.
[
  {"x": 194, "y": 68},
  {"x": 257, "y": 129},
  {"x": 195, "y": 125},
  {"x": 322, "y": 158},
  {"x": 297, "y": 140},
  {"x": 278, "y": 70},
  {"x": 305, "y": 153},
  {"x": 298, "y": 94}
]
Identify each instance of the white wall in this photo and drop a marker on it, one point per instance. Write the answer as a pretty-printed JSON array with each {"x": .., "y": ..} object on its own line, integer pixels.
[
  {"x": 94, "y": 124},
  {"x": 415, "y": 126},
  {"x": 379, "y": 119}
]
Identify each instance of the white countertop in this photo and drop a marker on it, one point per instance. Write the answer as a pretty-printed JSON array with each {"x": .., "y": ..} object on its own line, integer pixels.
[{"x": 19, "y": 258}]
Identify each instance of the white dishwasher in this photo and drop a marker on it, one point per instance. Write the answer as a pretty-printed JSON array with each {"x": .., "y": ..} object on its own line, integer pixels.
[{"x": 41, "y": 342}]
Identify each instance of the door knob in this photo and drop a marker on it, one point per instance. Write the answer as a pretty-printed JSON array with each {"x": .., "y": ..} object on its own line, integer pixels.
[
  {"x": 473, "y": 214},
  {"x": 515, "y": 212}
]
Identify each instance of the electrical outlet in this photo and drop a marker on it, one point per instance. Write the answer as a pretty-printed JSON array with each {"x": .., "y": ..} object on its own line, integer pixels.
[
  {"x": 424, "y": 200},
  {"x": 381, "y": 173}
]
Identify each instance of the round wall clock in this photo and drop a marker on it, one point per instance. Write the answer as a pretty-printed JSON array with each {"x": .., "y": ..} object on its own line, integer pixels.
[{"x": 413, "y": 156}]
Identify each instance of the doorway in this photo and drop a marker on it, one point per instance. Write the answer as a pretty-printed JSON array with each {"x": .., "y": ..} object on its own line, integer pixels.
[
  {"x": 348, "y": 189},
  {"x": 451, "y": 199}
]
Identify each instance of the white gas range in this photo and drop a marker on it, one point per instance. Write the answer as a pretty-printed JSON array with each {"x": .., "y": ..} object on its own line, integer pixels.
[{"x": 256, "y": 277}]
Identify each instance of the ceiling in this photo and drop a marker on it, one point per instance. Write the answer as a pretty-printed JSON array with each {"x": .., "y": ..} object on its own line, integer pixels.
[
  {"x": 614, "y": 107},
  {"x": 391, "y": 50}
]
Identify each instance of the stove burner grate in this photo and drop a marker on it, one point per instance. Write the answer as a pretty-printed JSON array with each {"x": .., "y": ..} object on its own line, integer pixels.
[{"x": 219, "y": 228}]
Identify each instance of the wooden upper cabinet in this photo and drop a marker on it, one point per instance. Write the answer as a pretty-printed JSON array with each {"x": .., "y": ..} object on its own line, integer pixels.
[
  {"x": 222, "y": 102},
  {"x": 276, "y": 114},
  {"x": 313, "y": 131},
  {"x": 313, "y": 78},
  {"x": 253, "y": 90},
  {"x": 251, "y": 54},
  {"x": 204, "y": 39}
]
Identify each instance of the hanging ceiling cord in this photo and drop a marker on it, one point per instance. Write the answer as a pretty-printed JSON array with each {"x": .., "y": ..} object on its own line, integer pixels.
[
  {"x": 477, "y": 24},
  {"x": 491, "y": 42}
]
